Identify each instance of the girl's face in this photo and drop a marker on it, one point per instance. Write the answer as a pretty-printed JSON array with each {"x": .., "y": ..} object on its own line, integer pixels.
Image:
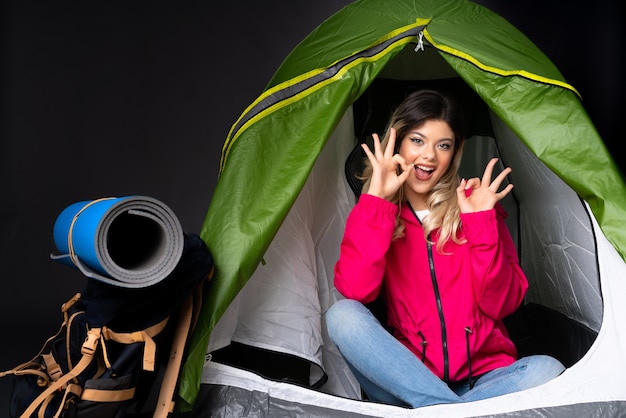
[{"x": 430, "y": 147}]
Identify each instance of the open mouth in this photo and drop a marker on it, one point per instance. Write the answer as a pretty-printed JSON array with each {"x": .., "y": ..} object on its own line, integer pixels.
[{"x": 423, "y": 172}]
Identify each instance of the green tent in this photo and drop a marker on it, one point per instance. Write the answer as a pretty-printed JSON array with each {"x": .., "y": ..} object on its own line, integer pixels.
[{"x": 371, "y": 47}]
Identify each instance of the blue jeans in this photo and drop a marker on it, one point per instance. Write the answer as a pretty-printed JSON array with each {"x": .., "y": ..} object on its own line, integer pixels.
[{"x": 390, "y": 373}]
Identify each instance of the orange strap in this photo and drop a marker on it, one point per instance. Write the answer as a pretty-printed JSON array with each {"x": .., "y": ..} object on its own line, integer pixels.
[
  {"x": 70, "y": 232},
  {"x": 72, "y": 388},
  {"x": 188, "y": 316},
  {"x": 88, "y": 350},
  {"x": 165, "y": 402},
  {"x": 53, "y": 368},
  {"x": 102, "y": 395},
  {"x": 145, "y": 336}
]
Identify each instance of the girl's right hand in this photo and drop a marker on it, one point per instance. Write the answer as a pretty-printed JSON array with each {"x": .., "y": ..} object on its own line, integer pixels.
[{"x": 389, "y": 170}]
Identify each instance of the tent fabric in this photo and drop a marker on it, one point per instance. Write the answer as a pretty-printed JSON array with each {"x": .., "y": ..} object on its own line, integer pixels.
[
  {"x": 272, "y": 148},
  {"x": 281, "y": 306},
  {"x": 560, "y": 228}
]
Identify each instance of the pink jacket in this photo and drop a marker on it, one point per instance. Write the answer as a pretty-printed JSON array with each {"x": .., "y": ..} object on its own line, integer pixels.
[{"x": 476, "y": 285}]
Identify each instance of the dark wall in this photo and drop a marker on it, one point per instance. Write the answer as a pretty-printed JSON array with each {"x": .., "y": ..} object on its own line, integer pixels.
[{"x": 111, "y": 100}]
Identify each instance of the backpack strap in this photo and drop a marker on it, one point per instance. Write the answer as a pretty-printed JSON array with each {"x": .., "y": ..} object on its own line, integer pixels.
[
  {"x": 52, "y": 367},
  {"x": 106, "y": 395},
  {"x": 165, "y": 402},
  {"x": 32, "y": 368},
  {"x": 88, "y": 350},
  {"x": 72, "y": 389},
  {"x": 53, "y": 370},
  {"x": 188, "y": 317},
  {"x": 145, "y": 336}
]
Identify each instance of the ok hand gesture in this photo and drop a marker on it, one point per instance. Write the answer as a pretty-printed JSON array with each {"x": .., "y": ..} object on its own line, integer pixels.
[
  {"x": 390, "y": 170},
  {"x": 475, "y": 195}
]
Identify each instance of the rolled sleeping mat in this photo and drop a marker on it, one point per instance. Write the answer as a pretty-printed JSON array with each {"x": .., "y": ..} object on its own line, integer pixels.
[{"x": 131, "y": 242}]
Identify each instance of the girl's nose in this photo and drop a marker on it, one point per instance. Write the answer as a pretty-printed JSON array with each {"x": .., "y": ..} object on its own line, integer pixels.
[{"x": 428, "y": 152}]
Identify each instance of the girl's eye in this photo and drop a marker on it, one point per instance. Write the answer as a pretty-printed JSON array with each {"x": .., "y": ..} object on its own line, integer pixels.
[
  {"x": 445, "y": 146},
  {"x": 416, "y": 139}
]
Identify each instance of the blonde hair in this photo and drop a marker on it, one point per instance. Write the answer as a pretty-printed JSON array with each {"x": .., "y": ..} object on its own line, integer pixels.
[{"x": 414, "y": 111}]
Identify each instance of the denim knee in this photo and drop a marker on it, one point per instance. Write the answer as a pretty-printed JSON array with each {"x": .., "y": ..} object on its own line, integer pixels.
[
  {"x": 549, "y": 366},
  {"x": 341, "y": 314}
]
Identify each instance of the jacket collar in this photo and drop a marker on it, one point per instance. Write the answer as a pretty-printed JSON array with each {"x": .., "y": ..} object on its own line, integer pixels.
[{"x": 408, "y": 215}]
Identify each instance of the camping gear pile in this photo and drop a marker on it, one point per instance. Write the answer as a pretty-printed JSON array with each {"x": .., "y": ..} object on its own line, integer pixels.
[{"x": 122, "y": 339}]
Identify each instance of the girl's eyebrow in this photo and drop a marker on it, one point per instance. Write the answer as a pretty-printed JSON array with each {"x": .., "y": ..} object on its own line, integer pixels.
[{"x": 418, "y": 133}]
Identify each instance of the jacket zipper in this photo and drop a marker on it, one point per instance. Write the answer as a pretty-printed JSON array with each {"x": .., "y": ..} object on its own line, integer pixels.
[
  {"x": 444, "y": 337},
  {"x": 424, "y": 343},
  {"x": 433, "y": 276},
  {"x": 468, "y": 332}
]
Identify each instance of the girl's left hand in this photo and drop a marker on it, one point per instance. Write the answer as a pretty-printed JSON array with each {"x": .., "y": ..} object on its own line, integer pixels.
[{"x": 475, "y": 195}]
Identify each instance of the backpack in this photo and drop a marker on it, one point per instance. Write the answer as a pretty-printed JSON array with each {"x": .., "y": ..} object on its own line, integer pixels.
[{"x": 116, "y": 347}]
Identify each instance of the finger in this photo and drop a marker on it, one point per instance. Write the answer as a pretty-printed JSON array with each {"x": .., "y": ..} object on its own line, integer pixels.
[
  {"x": 489, "y": 171},
  {"x": 498, "y": 180},
  {"x": 405, "y": 174},
  {"x": 391, "y": 144},
  {"x": 368, "y": 153},
  {"x": 504, "y": 192},
  {"x": 460, "y": 191},
  {"x": 377, "y": 149},
  {"x": 472, "y": 183},
  {"x": 399, "y": 160}
]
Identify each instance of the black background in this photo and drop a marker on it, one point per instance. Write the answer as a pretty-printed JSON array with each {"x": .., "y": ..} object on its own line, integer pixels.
[{"x": 113, "y": 99}]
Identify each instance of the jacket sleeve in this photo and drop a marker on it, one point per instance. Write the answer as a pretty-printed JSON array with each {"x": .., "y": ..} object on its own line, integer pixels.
[
  {"x": 498, "y": 280},
  {"x": 361, "y": 266}
]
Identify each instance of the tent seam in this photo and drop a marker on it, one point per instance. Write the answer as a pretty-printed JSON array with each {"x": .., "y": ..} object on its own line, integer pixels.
[
  {"x": 498, "y": 71},
  {"x": 357, "y": 59}
]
